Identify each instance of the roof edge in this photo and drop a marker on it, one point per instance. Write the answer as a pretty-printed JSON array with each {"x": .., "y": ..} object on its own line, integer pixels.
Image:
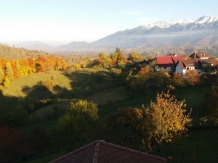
[{"x": 132, "y": 150}]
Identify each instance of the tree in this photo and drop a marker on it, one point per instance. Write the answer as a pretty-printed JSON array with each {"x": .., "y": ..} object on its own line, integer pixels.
[
  {"x": 149, "y": 80},
  {"x": 134, "y": 57},
  {"x": 6, "y": 82},
  {"x": 118, "y": 58},
  {"x": 192, "y": 77},
  {"x": 117, "y": 50},
  {"x": 166, "y": 119},
  {"x": 39, "y": 140},
  {"x": 123, "y": 127},
  {"x": 38, "y": 67},
  {"x": 9, "y": 71},
  {"x": 59, "y": 65},
  {"x": 13, "y": 145},
  {"x": 178, "y": 80},
  {"x": 15, "y": 117},
  {"x": 163, "y": 121},
  {"x": 1, "y": 75},
  {"x": 17, "y": 64},
  {"x": 144, "y": 70},
  {"x": 78, "y": 122},
  {"x": 103, "y": 60}
]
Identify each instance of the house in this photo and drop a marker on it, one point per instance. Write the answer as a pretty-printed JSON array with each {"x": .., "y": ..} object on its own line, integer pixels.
[
  {"x": 183, "y": 66},
  {"x": 199, "y": 55},
  {"x": 202, "y": 66},
  {"x": 101, "y": 151},
  {"x": 167, "y": 63}
]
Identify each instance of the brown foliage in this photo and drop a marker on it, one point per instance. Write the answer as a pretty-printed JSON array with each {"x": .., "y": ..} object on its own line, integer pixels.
[
  {"x": 192, "y": 77},
  {"x": 13, "y": 145}
]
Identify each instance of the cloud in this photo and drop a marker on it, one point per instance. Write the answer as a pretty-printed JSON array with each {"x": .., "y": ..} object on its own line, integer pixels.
[{"x": 147, "y": 20}]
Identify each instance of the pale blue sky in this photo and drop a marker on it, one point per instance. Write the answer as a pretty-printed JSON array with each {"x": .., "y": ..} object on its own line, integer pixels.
[{"x": 64, "y": 21}]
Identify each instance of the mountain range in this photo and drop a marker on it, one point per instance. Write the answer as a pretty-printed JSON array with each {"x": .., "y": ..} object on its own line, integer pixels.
[{"x": 201, "y": 31}]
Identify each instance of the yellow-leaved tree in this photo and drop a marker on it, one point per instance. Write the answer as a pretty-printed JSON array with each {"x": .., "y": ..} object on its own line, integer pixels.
[{"x": 166, "y": 118}]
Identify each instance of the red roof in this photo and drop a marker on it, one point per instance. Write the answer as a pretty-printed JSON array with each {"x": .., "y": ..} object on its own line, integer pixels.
[
  {"x": 168, "y": 60},
  {"x": 164, "y": 60},
  {"x": 101, "y": 151},
  {"x": 177, "y": 58}
]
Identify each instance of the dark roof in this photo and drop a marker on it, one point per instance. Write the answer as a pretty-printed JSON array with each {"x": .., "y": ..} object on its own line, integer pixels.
[
  {"x": 199, "y": 55},
  {"x": 191, "y": 62},
  {"x": 196, "y": 63},
  {"x": 208, "y": 61},
  {"x": 101, "y": 151}
]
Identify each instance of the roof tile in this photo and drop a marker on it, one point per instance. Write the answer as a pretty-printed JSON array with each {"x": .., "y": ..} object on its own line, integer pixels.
[{"x": 101, "y": 151}]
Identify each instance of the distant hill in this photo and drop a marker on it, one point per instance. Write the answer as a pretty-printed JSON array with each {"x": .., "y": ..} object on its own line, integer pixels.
[
  {"x": 34, "y": 45},
  {"x": 8, "y": 52},
  {"x": 72, "y": 46}
]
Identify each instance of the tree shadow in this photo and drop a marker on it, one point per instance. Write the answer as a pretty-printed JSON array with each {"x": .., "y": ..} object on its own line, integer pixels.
[{"x": 84, "y": 83}]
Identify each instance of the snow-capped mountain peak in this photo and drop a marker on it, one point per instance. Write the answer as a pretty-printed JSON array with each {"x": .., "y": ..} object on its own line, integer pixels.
[{"x": 198, "y": 21}]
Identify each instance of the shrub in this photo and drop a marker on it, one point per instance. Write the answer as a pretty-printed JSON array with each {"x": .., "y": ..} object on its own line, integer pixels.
[{"x": 48, "y": 84}]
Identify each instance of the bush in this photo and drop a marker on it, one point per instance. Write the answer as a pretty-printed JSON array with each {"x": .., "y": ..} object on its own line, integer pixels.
[
  {"x": 48, "y": 84},
  {"x": 16, "y": 117}
]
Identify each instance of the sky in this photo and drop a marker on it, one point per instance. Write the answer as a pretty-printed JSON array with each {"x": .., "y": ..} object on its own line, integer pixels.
[{"x": 63, "y": 21}]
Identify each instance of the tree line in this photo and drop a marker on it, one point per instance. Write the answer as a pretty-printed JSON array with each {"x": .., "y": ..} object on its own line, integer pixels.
[{"x": 12, "y": 69}]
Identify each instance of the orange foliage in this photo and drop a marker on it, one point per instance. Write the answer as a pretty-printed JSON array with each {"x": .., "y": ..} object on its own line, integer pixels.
[
  {"x": 28, "y": 66},
  {"x": 144, "y": 70}
]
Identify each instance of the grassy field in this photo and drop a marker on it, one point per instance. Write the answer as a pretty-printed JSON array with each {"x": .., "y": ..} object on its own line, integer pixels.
[
  {"x": 17, "y": 86},
  {"x": 201, "y": 145},
  {"x": 99, "y": 86}
]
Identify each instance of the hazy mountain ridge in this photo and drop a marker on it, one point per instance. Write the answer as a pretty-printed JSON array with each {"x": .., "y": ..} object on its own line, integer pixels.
[
  {"x": 202, "y": 31},
  {"x": 34, "y": 45},
  {"x": 73, "y": 45}
]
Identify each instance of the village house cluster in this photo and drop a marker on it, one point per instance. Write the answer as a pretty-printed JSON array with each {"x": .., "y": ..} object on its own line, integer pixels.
[{"x": 200, "y": 62}]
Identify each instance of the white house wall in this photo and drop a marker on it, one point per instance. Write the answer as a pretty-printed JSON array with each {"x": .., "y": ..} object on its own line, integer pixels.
[
  {"x": 180, "y": 70},
  {"x": 167, "y": 69}
]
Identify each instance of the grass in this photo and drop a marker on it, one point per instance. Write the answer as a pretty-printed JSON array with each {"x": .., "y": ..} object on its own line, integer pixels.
[
  {"x": 46, "y": 125},
  {"x": 128, "y": 103},
  {"x": 16, "y": 86},
  {"x": 194, "y": 97},
  {"x": 200, "y": 144},
  {"x": 108, "y": 96}
]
